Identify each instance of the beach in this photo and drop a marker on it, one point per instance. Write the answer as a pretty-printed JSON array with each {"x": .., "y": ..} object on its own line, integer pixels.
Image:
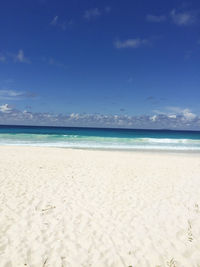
[{"x": 71, "y": 207}]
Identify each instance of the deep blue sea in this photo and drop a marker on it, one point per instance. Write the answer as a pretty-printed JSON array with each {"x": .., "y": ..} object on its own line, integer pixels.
[{"x": 98, "y": 138}]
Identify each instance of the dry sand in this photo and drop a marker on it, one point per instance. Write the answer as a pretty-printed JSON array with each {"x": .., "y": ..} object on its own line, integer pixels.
[{"x": 63, "y": 207}]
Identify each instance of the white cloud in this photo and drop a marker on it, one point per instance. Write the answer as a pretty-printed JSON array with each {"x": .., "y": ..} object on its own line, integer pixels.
[
  {"x": 185, "y": 113},
  {"x": 14, "y": 95},
  {"x": 172, "y": 116},
  {"x": 5, "y": 108},
  {"x": 153, "y": 18},
  {"x": 188, "y": 115},
  {"x": 21, "y": 58},
  {"x": 92, "y": 13},
  {"x": 182, "y": 18},
  {"x": 153, "y": 118},
  {"x": 96, "y": 12},
  {"x": 130, "y": 43}
]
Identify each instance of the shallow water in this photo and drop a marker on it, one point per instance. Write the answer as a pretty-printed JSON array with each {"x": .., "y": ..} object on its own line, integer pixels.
[{"x": 99, "y": 138}]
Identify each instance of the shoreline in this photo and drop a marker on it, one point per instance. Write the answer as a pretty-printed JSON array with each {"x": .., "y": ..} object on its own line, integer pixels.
[{"x": 162, "y": 151}]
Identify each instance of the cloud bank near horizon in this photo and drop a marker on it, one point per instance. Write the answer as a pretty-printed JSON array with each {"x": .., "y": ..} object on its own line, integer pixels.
[{"x": 175, "y": 118}]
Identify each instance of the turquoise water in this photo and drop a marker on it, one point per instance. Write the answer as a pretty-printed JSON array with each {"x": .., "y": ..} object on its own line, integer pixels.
[{"x": 100, "y": 138}]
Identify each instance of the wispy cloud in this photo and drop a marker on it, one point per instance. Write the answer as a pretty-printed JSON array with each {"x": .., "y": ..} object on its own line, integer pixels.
[
  {"x": 131, "y": 43},
  {"x": 188, "y": 54},
  {"x": 53, "y": 62},
  {"x": 61, "y": 24},
  {"x": 181, "y": 119},
  {"x": 92, "y": 13},
  {"x": 183, "y": 18},
  {"x": 180, "y": 17},
  {"x": 107, "y": 9},
  {"x": 2, "y": 58},
  {"x": 54, "y": 21},
  {"x": 6, "y": 94},
  {"x": 96, "y": 12},
  {"x": 150, "y": 98},
  {"x": 130, "y": 80},
  {"x": 154, "y": 18},
  {"x": 154, "y": 100},
  {"x": 20, "y": 57}
]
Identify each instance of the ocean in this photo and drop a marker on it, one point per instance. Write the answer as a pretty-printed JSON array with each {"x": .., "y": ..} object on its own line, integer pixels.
[{"x": 100, "y": 138}]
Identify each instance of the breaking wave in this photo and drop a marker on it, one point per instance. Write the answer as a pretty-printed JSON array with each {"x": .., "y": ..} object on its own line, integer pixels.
[{"x": 99, "y": 142}]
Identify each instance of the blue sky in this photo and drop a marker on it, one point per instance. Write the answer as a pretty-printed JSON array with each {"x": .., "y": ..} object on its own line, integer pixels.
[{"x": 82, "y": 62}]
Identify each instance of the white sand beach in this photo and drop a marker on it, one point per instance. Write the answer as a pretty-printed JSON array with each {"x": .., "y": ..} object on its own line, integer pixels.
[{"x": 64, "y": 207}]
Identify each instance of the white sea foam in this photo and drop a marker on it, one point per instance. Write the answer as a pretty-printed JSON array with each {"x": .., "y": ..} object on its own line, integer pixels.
[
  {"x": 77, "y": 141},
  {"x": 93, "y": 145},
  {"x": 171, "y": 141}
]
